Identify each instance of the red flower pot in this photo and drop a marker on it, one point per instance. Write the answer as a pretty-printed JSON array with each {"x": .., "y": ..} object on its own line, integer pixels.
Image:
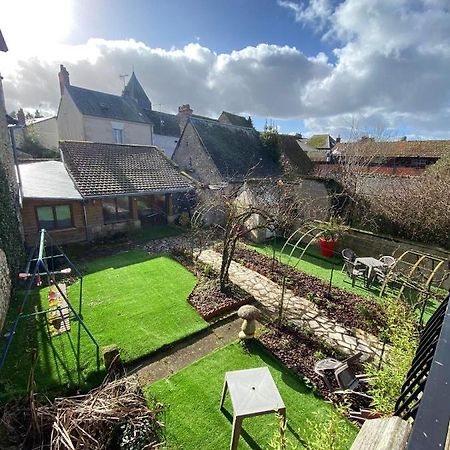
[{"x": 327, "y": 247}]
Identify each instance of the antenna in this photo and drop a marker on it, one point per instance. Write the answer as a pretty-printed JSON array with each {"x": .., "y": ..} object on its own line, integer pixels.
[{"x": 124, "y": 79}]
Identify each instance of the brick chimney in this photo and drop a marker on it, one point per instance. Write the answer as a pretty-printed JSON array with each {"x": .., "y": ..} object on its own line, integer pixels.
[
  {"x": 184, "y": 112},
  {"x": 64, "y": 79},
  {"x": 21, "y": 117},
  {"x": 338, "y": 140}
]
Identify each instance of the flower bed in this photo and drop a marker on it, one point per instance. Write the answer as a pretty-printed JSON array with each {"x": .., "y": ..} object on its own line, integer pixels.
[
  {"x": 299, "y": 350},
  {"x": 346, "y": 308}
]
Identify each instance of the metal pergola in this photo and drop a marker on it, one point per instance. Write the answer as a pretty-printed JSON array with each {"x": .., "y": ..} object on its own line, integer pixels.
[{"x": 41, "y": 268}]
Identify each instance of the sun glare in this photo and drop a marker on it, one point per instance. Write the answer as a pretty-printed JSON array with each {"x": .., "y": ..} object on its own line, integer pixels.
[{"x": 36, "y": 24}]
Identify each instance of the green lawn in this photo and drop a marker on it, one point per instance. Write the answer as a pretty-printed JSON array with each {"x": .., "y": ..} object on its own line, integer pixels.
[
  {"x": 194, "y": 421},
  {"x": 318, "y": 266},
  {"x": 131, "y": 300}
]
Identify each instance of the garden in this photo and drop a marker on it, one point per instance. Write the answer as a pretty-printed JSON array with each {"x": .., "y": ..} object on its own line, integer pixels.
[{"x": 130, "y": 300}]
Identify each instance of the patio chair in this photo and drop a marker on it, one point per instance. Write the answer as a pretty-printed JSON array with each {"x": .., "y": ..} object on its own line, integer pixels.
[
  {"x": 388, "y": 261},
  {"x": 348, "y": 255},
  {"x": 354, "y": 271},
  {"x": 322, "y": 366},
  {"x": 348, "y": 381}
]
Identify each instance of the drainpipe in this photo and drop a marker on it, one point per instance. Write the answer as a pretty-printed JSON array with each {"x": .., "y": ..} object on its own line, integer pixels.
[
  {"x": 85, "y": 220},
  {"x": 16, "y": 163}
]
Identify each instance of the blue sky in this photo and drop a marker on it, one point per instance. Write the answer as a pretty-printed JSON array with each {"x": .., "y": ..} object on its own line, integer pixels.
[
  {"x": 220, "y": 25},
  {"x": 313, "y": 66}
]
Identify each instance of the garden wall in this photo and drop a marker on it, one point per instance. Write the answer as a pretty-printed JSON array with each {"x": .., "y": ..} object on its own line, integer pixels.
[
  {"x": 5, "y": 288},
  {"x": 365, "y": 243}
]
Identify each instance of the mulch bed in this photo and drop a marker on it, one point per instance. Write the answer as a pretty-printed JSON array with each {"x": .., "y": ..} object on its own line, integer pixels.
[
  {"x": 210, "y": 302},
  {"x": 349, "y": 309},
  {"x": 299, "y": 350},
  {"x": 207, "y": 297}
]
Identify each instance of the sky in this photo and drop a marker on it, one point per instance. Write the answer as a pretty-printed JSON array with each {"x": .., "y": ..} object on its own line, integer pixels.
[{"x": 377, "y": 67}]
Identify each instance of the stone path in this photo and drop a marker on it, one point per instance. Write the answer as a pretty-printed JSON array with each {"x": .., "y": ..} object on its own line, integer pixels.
[
  {"x": 296, "y": 309},
  {"x": 163, "y": 364}
]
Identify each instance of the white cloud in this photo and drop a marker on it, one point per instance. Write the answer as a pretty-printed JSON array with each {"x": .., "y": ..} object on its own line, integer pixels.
[
  {"x": 315, "y": 11},
  {"x": 392, "y": 59}
]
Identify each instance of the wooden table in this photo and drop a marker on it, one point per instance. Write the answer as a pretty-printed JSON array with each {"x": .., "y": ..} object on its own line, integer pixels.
[
  {"x": 370, "y": 263},
  {"x": 253, "y": 392}
]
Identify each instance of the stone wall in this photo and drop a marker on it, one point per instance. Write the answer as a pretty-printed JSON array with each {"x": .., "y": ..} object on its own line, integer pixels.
[
  {"x": 365, "y": 243},
  {"x": 5, "y": 288}
]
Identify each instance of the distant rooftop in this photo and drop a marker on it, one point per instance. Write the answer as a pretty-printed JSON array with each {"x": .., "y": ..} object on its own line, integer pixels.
[
  {"x": 321, "y": 141},
  {"x": 234, "y": 119},
  {"x": 369, "y": 147}
]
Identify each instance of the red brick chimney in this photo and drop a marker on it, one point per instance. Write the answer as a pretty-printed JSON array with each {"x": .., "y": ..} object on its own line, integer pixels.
[
  {"x": 184, "y": 112},
  {"x": 64, "y": 79}
]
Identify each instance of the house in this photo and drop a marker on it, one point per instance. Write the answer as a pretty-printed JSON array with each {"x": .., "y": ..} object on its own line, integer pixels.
[
  {"x": 233, "y": 119},
  {"x": 322, "y": 141},
  {"x": 215, "y": 153},
  {"x": 392, "y": 158},
  {"x": 95, "y": 116},
  {"x": 99, "y": 190},
  {"x": 43, "y": 132}
]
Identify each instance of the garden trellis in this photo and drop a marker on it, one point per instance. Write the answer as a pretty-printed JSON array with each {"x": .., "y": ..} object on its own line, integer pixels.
[
  {"x": 419, "y": 272},
  {"x": 46, "y": 266}
]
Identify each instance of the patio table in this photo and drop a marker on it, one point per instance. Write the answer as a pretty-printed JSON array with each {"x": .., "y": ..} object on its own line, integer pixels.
[
  {"x": 253, "y": 392},
  {"x": 370, "y": 263}
]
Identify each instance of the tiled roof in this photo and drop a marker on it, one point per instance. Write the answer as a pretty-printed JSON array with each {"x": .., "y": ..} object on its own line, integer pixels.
[
  {"x": 234, "y": 119},
  {"x": 236, "y": 151},
  {"x": 101, "y": 104},
  {"x": 47, "y": 180},
  {"x": 431, "y": 149},
  {"x": 321, "y": 141},
  {"x": 296, "y": 161},
  {"x": 164, "y": 123},
  {"x": 101, "y": 169}
]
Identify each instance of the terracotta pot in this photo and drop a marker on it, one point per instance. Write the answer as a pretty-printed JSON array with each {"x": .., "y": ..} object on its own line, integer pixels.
[{"x": 327, "y": 247}]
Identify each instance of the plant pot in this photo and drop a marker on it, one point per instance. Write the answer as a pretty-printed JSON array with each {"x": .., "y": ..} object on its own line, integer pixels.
[{"x": 327, "y": 247}]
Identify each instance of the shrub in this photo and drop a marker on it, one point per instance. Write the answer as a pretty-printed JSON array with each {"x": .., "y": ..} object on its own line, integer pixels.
[{"x": 401, "y": 331}]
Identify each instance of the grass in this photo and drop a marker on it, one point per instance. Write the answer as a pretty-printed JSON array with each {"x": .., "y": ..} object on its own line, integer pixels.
[
  {"x": 318, "y": 266},
  {"x": 131, "y": 300},
  {"x": 193, "y": 419}
]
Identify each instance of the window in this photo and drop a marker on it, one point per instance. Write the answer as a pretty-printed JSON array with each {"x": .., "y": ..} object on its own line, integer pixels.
[
  {"x": 116, "y": 209},
  {"x": 54, "y": 217},
  {"x": 118, "y": 135}
]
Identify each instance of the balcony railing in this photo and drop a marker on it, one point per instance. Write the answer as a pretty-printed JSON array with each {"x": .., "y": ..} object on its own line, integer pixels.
[{"x": 425, "y": 396}]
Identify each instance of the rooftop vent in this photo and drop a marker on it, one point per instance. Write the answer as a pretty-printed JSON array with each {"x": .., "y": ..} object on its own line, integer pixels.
[{"x": 104, "y": 106}]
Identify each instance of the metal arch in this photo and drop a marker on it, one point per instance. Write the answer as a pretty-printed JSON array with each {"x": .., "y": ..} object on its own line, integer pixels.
[
  {"x": 294, "y": 248},
  {"x": 408, "y": 281}
]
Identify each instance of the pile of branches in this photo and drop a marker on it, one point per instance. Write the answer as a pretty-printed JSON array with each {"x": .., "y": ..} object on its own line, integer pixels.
[{"x": 113, "y": 416}]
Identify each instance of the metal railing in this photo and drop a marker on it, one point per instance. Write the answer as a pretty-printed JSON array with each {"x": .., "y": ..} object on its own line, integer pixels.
[{"x": 425, "y": 395}]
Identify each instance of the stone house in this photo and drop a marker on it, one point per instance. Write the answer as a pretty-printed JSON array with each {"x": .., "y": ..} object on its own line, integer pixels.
[
  {"x": 99, "y": 190},
  {"x": 215, "y": 153},
  {"x": 87, "y": 115}
]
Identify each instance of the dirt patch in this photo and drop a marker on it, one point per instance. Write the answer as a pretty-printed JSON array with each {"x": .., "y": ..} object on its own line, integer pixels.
[{"x": 344, "y": 307}]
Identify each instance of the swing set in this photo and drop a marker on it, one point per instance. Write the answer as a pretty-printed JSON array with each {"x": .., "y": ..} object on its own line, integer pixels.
[{"x": 44, "y": 266}]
